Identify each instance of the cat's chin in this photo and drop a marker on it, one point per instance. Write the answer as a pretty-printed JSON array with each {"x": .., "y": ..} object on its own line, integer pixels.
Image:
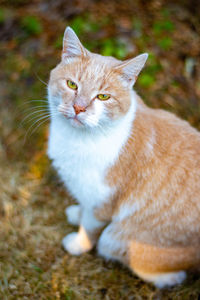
[
  {"x": 79, "y": 123},
  {"x": 75, "y": 122}
]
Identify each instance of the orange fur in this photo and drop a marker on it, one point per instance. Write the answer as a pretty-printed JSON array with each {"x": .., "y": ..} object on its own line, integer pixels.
[{"x": 159, "y": 168}]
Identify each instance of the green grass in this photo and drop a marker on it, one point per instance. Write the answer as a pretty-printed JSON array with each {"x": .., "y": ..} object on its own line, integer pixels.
[{"x": 31, "y": 25}]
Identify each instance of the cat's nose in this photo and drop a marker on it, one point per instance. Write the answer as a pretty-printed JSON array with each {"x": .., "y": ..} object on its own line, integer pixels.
[{"x": 79, "y": 109}]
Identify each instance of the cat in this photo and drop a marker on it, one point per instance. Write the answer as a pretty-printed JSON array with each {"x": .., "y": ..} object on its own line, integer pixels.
[{"x": 135, "y": 171}]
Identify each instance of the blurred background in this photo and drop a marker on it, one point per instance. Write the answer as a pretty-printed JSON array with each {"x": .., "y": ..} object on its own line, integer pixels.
[{"x": 32, "y": 200}]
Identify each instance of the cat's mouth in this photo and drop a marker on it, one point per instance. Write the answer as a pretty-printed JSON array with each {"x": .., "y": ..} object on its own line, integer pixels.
[{"x": 75, "y": 121}]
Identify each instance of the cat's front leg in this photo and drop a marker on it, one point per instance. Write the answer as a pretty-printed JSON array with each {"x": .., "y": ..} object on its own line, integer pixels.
[
  {"x": 73, "y": 213},
  {"x": 84, "y": 240}
]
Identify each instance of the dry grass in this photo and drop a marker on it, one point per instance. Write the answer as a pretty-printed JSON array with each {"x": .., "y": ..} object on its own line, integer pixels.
[{"x": 33, "y": 264}]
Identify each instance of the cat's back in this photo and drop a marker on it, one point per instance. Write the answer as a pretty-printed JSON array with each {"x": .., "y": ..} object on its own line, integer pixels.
[{"x": 170, "y": 132}]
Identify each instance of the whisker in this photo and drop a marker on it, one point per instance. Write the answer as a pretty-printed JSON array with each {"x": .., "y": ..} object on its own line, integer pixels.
[
  {"x": 36, "y": 107},
  {"x": 39, "y": 126},
  {"x": 31, "y": 133},
  {"x": 33, "y": 108},
  {"x": 43, "y": 116},
  {"x": 30, "y": 128},
  {"x": 33, "y": 101},
  {"x": 26, "y": 105},
  {"x": 33, "y": 113},
  {"x": 45, "y": 113},
  {"x": 40, "y": 78}
]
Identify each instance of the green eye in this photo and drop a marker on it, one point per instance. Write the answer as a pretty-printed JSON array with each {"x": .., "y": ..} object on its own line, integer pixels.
[
  {"x": 72, "y": 85},
  {"x": 103, "y": 97}
]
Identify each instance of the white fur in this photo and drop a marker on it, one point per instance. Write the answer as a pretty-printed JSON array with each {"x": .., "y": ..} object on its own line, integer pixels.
[
  {"x": 126, "y": 210},
  {"x": 73, "y": 213},
  {"x": 163, "y": 280},
  {"x": 89, "y": 221},
  {"x": 110, "y": 243},
  {"x": 151, "y": 143},
  {"x": 81, "y": 242},
  {"x": 170, "y": 279},
  {"x": 92, "y": 120},
  {"x": 76, "y": 243},
  {"x": 82, "y": 157}
]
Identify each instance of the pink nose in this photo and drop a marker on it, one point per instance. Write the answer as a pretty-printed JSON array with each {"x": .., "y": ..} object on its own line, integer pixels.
[{"x": 78, "y": 109}]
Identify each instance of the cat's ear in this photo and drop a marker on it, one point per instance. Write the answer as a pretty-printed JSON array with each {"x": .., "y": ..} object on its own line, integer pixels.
[
  {"x": 131, "y": 68},
  {"x": 72, "y": 47}
]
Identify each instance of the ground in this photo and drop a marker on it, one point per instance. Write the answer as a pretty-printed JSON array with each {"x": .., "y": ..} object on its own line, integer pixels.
[{"x": 33, "y": 264}]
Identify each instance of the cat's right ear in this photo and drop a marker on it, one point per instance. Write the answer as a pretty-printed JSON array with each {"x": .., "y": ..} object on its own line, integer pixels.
[{"x": 72, "y": 47}]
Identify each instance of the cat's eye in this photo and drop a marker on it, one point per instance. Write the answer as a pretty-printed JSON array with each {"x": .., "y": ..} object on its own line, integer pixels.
[
  {"x": 103, "y": 97},
  {"x": 72, "y": 85}
]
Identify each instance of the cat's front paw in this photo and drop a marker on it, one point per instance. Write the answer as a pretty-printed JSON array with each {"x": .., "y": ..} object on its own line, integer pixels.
[{"x": 75, "y": 244}]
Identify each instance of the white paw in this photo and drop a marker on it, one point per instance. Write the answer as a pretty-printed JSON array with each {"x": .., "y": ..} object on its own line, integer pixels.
[
  {"x": 73, "y": 213},
  {"x": 75, "y": 244},
  {"x": 170, "y": 279}
]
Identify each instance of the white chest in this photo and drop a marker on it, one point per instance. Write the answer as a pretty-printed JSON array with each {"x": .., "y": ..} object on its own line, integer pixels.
[{"x": 81, "y": 165}]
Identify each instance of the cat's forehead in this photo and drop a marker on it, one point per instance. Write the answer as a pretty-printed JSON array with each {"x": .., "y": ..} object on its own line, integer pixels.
[{"x": 95, "y": 70}]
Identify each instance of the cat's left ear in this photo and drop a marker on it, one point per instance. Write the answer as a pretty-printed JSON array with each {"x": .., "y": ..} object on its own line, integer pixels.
[
  {"x": 72, "y": 47},
  {"x": 131, "y": 68}
]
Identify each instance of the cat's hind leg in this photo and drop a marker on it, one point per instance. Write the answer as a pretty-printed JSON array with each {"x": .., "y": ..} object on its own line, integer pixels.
[
  {"x": 163, "y": 266},
  {"x": 162, "y": 280},
  {"x": 73, "y": 213},
  {"x": 111, "y": 245}
]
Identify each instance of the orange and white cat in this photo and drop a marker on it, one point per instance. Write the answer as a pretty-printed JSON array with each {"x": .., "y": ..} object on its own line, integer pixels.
[{"x": 135, "y": 171}]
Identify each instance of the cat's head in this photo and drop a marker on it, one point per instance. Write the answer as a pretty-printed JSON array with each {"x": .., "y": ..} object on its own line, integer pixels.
[{"x": 91, "y": 90}]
